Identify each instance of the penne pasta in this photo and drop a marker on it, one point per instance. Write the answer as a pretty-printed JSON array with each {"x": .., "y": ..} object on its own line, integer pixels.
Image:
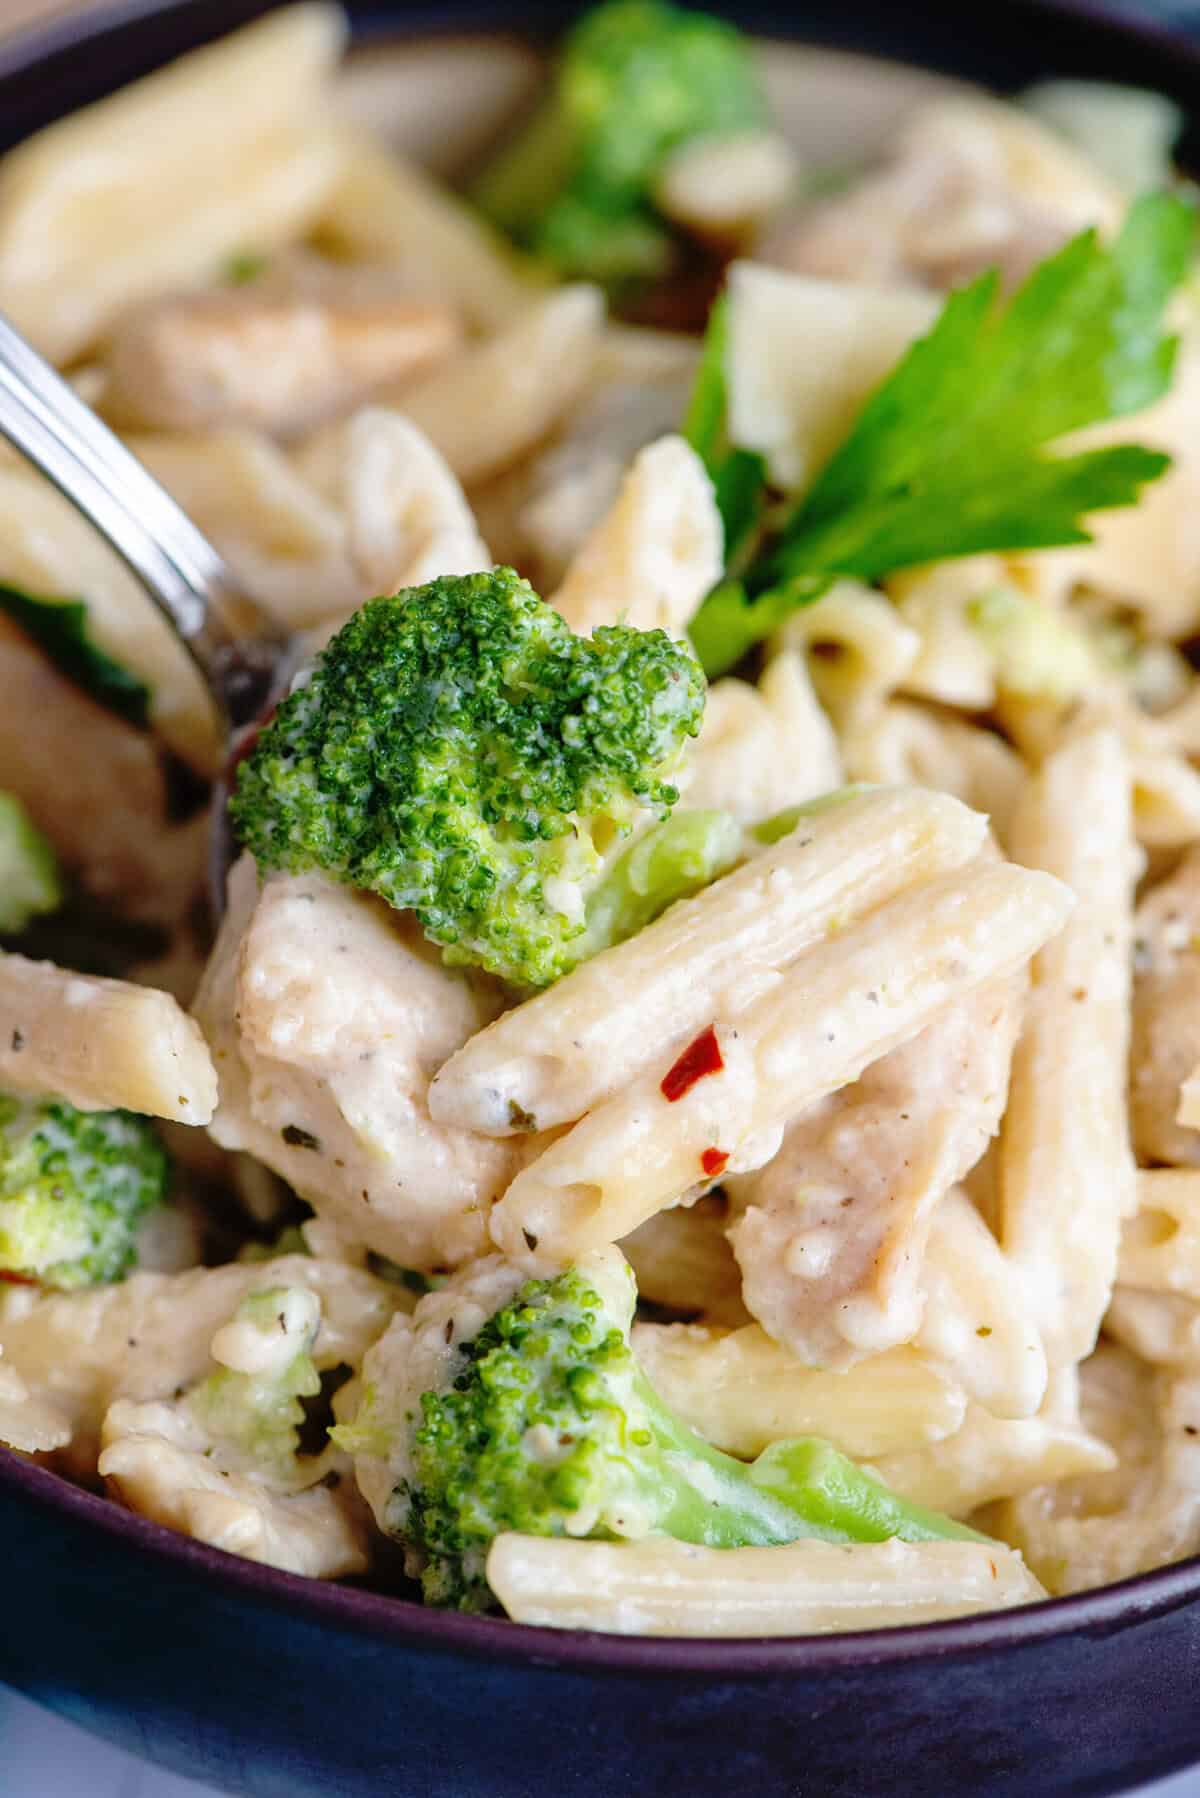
[
  {"x": 1144, "y": 1513},
  {"x": 655, "y": 554},
  {"x": 990, "y": 1458},
  {"x": 565, "y": 1051},
  {"x": 904, "y": 744},
  {"x": 533, "y": 370},
  {"x": 139, "y": 193},
  {"x": 1066, "y": 1169},
  {"x": 1160, "y": 1243},
  {"x": 383, "y": 210},
  {"x": 741, "y": 1391},
  {"x": 101, "y": 1044},
  {"x": 762, "y": 748},
  {"x": 657, "y": 1587},
  {"x": 840, "y": 1007},
  {"x": 1165, "y": 1023},
  {"x": 859, "y": 651},
  {"x": 976, "y": 1321},
  {"x": 1163, "y": 1328},
  {"x": 285, "y": 542},
  {"x": 407, "y": 519},
  {"x": 682, "y": 1261}
]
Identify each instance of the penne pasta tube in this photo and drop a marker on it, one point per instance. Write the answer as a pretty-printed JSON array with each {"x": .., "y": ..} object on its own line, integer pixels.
[
  {"x": 101, "y": 1044},
  {"x": 659, "y": 1587},
  {"x": 904, "y": 744},
  {"x": 387, "y": 211},
  {"x": 1160, "y": 1244},
  {"x": 681, "y": 1259},
  {"x": 1161, "y": 1327},
  {"x": 139, "y": 193},
  {"x": 989, "y": 1458},
  {"x": 1066, "y": 1167},
  {"x": 531, "y": 372},
  {"x": 976, "y": 1321},
  {"x": 655, "y": 553},
  {"x": 858, "y": 648},
  {"x": 565, "y": 1051},
  {"x": 764, "y": 747},
  {"x": 842, "y": 1006},
  {"x": 1188, "y": 1113},
  {"x": 740, "y": 1390}
]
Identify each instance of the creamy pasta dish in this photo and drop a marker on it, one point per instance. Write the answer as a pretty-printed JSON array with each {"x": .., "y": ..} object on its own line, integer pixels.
[{"x": 688, "y": 1119}]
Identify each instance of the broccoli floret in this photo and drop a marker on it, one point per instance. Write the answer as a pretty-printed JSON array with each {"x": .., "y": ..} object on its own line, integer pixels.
[
  {"x": 458, "y": 750},
  {"x": 29, "y": 881},
  {"x": 251, "y": 1404},
  {"x": 74, "y": 1187},
  {"x": 544, "y": 1424},
  {"x": 635, "y": 81}
]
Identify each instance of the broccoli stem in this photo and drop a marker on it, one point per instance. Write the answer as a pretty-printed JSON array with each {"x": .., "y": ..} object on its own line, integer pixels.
[
  {"x": 519, "y": 185},
  {"x": 801, "y": 1487}
]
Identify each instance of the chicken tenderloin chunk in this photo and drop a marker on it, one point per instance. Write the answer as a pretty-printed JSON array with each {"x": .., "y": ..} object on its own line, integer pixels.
[
  {"x": 970, "y": 184},
  {"x": 328, "y": 1015},
  {"x": 831, "y": 1234}
]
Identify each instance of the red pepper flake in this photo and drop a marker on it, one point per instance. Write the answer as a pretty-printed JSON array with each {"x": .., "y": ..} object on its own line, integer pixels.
[
  {"x": 698, "y": 1059},
  {"x": 713, "y": 1161}
]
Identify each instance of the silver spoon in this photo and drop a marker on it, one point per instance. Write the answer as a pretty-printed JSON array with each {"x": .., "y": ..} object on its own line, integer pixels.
[
  {"x": 236, "y": 647},
  {"x": 242, "y": 656}
]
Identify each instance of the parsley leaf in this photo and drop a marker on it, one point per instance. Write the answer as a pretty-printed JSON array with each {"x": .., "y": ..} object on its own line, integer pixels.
[
  {"x": 947, "y": 458},
  {"x": 60, "y": 628}
]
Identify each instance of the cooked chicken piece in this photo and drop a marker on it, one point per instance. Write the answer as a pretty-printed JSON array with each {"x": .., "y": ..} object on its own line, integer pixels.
[
  {"x": 328, "y": 1015},
  {"x": 257, "y": 356},
  {"x": 157, "y": 1461},
  {"x": 832, "y": 1232},
  {"x": 1165, "y": 1046},
  {"x": 969, "y": 185},
  {"x": 145, "y": 1336}
]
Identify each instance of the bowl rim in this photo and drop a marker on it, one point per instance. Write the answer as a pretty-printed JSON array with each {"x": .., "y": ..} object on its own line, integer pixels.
[
  {"x": 402, "y": 1620},
  {"x": 384, "y": 1616}
]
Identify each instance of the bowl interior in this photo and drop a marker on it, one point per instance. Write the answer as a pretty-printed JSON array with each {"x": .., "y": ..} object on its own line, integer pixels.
[{"x": 839, "y": 85}]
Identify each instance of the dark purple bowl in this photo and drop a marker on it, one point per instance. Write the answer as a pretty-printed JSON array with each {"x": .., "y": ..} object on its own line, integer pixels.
[{"x": 271, "y": 1685}]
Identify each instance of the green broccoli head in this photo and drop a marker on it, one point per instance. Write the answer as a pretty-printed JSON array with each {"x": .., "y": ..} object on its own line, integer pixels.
[
  {"x": 636, "y": 79},
  {"x": 74, "y": 1187},
  {"x": 461, "y": 752},
  {"x": 546, "y": 1425}
]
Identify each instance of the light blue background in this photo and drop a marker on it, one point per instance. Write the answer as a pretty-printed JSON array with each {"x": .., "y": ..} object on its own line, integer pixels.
[{"x": 42, "y": 1757}]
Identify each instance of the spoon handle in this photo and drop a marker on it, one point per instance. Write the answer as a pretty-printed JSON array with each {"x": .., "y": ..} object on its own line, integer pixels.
[{"x": 234, "y": 645}]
